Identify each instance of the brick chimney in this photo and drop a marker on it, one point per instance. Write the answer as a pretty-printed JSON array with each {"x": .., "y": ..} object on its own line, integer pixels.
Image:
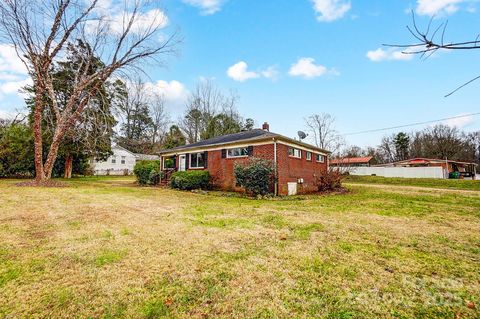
[{"x": 266, "y": 127}]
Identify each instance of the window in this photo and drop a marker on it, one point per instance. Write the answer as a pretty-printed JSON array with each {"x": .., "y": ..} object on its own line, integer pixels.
[
  {"x": 197, "y": 160},
  {"x": 169, "y": 163},
  {"x": 237, "y": 152},
  {"x": 114, "y": 159},
  {"x": 309, "y": 156},
  {"x": 295, "y": 152},
  {"x": 123, "y": 160},
  {"x": 320, "y": 158}
]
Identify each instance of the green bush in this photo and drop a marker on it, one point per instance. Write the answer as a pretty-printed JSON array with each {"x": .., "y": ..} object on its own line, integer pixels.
[
  {"x": 189, "y": 180},
  {"x": 256, "y": 176},
  {"x": 148, "y": 172}
]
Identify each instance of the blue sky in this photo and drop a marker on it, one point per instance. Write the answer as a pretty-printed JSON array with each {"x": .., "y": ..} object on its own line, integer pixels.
[{"x": 289, "y": 59}]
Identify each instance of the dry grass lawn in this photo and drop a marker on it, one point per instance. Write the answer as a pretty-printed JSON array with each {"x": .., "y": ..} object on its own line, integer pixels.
[{"x": 105, "y": 248}]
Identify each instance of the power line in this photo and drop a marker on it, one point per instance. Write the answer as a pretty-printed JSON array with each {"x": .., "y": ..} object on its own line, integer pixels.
[{"x": 412, "y": 124}]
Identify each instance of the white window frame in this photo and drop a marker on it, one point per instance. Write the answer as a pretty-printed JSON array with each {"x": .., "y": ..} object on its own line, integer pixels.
[
  {"x": 123, "y": 160},
  {"x": 237, "y": 148},
  {"x": 308, "y": 155},
  {"x": 295, "y": 152},
  {"x": 190, "y": 161},
  {"x": 322, "y": 158},
  {"x": 114, "y": 159}
]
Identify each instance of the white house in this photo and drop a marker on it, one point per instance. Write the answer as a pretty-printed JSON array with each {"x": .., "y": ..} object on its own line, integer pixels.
[{"x": 121, "y": 162}]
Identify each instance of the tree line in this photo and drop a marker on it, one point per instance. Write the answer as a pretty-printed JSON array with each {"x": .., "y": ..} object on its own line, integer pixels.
[
  {"x": 128, "y": 113},
  {"x": 146, "y": 125},
  {"x": 440, "y": 141}
]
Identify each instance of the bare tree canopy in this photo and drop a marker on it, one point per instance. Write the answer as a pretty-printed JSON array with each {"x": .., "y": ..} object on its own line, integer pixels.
[
  {"x": 432, "y": 39},
  {"x": 41, "y": 31},
  {"x": 210, "y": 113},
  {"x": 323, "y": 132}
]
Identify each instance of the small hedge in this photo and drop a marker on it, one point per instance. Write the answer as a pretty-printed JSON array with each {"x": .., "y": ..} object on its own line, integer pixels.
[
  {"x": 148, "y": 172},
  {"x": 188, "y": 180},
  {"x": 256, "y": 176},
  {"x": 331, "y": 180}
]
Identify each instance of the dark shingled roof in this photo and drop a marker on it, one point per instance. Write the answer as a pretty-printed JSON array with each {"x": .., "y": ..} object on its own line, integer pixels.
[
  {"x": 224, "y": 139},
  {"x": 255, "y": 134}
]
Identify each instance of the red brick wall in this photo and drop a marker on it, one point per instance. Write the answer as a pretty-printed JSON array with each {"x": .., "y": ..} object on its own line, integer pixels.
[
  {"x": 289, "y": 169},
  {"x": 221, "y": 169}
]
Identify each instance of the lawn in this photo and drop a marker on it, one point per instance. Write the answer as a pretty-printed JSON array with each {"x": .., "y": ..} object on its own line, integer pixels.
[
  {"x": 105, "y": 248},
  {"x": 419, "y": 182}
]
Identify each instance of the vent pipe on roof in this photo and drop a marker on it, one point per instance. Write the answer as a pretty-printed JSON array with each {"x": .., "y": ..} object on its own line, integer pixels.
[{"x": 266, "y": 127}]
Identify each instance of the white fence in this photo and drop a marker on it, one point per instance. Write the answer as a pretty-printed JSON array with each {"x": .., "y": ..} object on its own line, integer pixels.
[{"x": 406, "y": 172}]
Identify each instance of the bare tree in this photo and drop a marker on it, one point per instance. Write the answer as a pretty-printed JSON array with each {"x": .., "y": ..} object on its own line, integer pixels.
[
  {"x": 160, "y": 118},
  {"x": 40, "y": 32},
  {"x": 204, "y": 106},
  {"x": 323, "y": 133},
  {"x": 431, "y": 40}
]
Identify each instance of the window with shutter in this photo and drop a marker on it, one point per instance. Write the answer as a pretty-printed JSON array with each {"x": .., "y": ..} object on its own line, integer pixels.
[
  {"x": 224, "y": 153},
  {"x": 237, "y": 152}
]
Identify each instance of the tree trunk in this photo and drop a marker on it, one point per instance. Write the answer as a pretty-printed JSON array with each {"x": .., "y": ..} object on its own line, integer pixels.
[
  {"x": 68, "y": 166},
  {"x": 52, "y": 154},
  {"x": 37, "y": 133}
]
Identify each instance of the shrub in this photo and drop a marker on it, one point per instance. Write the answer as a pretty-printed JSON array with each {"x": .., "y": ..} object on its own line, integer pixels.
[
  {"x": 330, "y": 180},
  {"x": 148, "y": 172},
  {"x": 256, "y": 176},
  {"x": 189, "y": 180}
]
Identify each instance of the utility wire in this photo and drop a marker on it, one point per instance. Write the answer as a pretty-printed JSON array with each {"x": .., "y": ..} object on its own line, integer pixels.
[{"x": 412, "y": 124}]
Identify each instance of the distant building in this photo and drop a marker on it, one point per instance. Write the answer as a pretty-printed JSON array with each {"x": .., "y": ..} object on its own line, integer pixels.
[
  {"x": 365, "y": 161},
  {"x": 121, "y": 162},
  {"x": 465, "y": 169}
]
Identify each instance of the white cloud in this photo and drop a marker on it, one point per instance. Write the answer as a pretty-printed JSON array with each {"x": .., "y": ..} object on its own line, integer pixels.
[
  {"x": 207, "y": 7},
  {"x": 143, "y": 21},
  {"x": 460, "y": 122},
  {"x": 13, "y": 73},
  {"x": 438, "y": 7},
  {"x": 116, "y": 15},
  {"x": 380, "y": 55},
  {"x": 14, "y": 86},
  {"x": 9, "y": 61},
  {"x": 6, "y": 115},
  {"x": 239, "y": 72},
  {"x": 331, "y": 10},
  {"x": 270, "y": 73},
  {"x": 174, "y": 92},
  {"x": 306, "y": 68}
]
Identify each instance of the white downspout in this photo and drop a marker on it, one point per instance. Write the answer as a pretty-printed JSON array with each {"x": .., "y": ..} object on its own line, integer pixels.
[{"x": 275, "y": 166}]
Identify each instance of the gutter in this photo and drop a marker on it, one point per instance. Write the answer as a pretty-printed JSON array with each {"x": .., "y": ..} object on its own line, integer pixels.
[{"x": 275, "y": 166}]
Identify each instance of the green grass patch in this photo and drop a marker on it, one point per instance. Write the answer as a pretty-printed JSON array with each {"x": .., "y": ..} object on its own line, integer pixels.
[
  {"x": 420, "y": 182},
  {"x": 109, "y": 256}
]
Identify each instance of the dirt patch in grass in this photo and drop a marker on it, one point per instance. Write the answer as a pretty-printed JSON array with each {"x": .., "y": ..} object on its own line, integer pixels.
[{"x": 47, "y": 183}]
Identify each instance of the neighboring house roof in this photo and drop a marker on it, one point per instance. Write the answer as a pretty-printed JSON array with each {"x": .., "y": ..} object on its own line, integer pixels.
[
  {"x": 118, "y": 147},
  {"x": 422, "y": 160},
  {"x": 146, "y": 157},
  {"x": 351, "y": 160},
  {"x": 244, "y": 136}
]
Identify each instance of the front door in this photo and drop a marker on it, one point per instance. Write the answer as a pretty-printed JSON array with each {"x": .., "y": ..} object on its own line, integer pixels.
[{"x": 182, "y": 163}]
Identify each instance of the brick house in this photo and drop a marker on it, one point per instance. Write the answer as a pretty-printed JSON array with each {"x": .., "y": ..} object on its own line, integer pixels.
[
  {"x": 298, "y": 164},
  {"x": 364, "y": 161}
]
